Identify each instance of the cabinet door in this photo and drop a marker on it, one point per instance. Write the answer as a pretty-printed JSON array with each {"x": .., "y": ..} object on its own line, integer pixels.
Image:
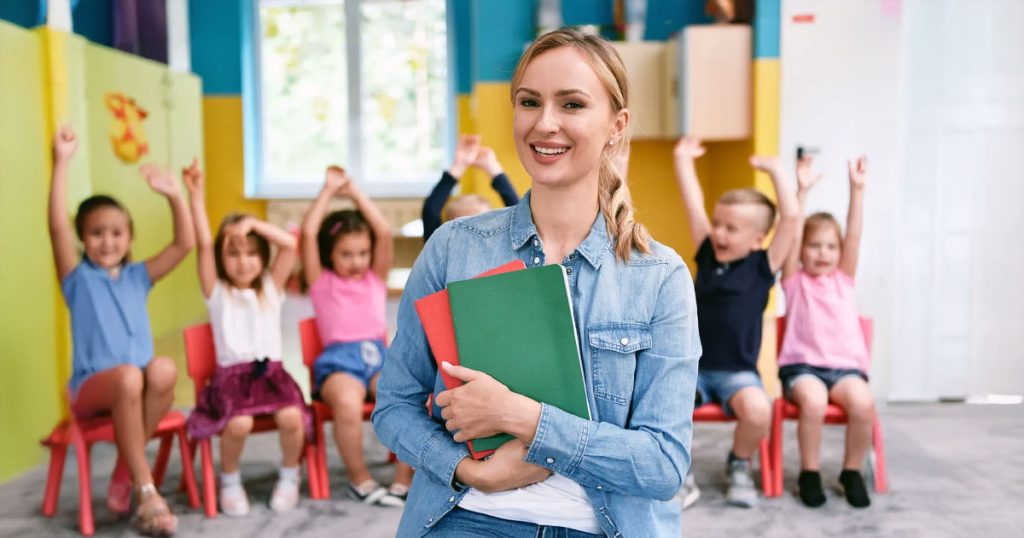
[
  {"x": 644, "y": 61},
  {"x": 713, "y": 64}
]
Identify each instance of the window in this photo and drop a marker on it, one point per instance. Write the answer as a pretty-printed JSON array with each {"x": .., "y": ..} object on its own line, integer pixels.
[{"x": 359, "y": 83}]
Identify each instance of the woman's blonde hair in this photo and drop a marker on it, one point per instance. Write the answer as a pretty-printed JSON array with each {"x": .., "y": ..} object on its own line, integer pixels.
[{"x": 613, "y": 192}]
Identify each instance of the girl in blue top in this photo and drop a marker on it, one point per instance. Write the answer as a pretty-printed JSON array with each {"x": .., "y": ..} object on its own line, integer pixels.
[
  {"x": 113, "y": 367},
  {"x": 634, "y": 309}
]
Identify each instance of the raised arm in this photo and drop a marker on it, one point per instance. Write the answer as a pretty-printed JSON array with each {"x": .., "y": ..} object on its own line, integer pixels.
[
  {"x": 287, "y": 246},
  {"x": 854, "y": 217},
  {"x": 687, "y": 150},
  {"x": 384, "y": 250},
  {"x": 163, "y": 182},
  {"x": 465, "y": 154},
  {"x": 805, "y": 179},
  {"x": 333, "y": 180},
  {"x": 487, "y": 161},
  {"x": 62, "y": 238},
  {"x": 789, "y": 211},
  {"x": 207, "y": 267}
]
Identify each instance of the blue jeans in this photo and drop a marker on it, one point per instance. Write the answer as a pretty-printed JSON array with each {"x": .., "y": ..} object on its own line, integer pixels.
[
  {"x": 719, "y": 386},
  {"x": 461, "y": 523}
]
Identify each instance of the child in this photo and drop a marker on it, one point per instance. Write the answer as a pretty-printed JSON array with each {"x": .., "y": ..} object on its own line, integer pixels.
[
  {"x": 469, "y": 152},
  {"x": 113, "y": 367},
  {"x": 734, "y": 277},
  {"x": 824, "y": 356},
  {"x": 244, "y": 293},
  {"x": 346, "y": 258}
]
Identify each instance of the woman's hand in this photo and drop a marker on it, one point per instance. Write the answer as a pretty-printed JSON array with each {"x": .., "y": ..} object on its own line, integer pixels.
[
  {"x": 482, "y": 407},
  {"x": 505, "y": 470}
]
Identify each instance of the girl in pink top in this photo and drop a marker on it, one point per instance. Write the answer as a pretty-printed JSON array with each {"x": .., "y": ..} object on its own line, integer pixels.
[
  {"x": 346, "y": 258},
  {"x": 824, "y": 356}
]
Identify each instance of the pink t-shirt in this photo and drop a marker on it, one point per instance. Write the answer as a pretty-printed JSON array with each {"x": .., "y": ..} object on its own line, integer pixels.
[
  {"x": 349, "y": 309},
  {"x": 822, "y": 324}
]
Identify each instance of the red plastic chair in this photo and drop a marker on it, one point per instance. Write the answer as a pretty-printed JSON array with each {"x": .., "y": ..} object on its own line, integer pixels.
[
  {"x": 82, "y": 434},
  {"x": 201, "y": 357},
  {"x": 312, "y": 347},
  {"x": 787, "y": 410},
  {"x": 711, "y": 412}
]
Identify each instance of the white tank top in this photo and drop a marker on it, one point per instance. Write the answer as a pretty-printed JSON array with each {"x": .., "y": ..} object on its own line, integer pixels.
[{"x": 555, "y": 502}]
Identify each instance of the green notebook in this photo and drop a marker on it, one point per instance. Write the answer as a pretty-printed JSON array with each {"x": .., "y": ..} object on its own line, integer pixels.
[{"x": 518, "y": 327}]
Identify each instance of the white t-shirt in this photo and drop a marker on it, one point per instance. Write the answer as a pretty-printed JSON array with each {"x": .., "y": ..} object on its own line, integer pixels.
[
  {"x": 555, "y": 502},
  {"x": 246, "y": 325}
]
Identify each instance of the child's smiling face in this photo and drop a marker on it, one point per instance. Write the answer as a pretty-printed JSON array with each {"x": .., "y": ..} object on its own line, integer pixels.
[
  {"x": 821, "y": 250},
  {"x": 106, "y": 236},
  {"x": 352, "y": 254}
]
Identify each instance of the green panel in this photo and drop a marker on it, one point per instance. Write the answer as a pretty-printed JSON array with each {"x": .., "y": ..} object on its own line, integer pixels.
[{"x": 28, "y": 408}]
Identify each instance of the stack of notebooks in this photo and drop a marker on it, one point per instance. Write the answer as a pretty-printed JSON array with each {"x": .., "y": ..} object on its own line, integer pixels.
[{"x": 516, "y": 325}]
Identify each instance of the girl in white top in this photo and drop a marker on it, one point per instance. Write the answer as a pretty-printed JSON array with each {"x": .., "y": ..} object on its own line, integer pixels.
[{"x": 244, "y": 293}]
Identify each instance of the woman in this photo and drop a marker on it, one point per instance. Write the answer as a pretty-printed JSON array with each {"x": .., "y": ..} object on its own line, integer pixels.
[{"x": 635, "y": 312}]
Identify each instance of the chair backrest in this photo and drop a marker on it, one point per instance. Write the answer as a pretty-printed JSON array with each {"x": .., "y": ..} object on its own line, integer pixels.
[
  {"x": 200, "y": 354},
  {"x": 309, "y": 336},
  {"x": 867, "y": 327}
]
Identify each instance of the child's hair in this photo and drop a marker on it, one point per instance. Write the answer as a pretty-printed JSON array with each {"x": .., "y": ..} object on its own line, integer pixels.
[
  {"x": 262, "y": 247},
  {"x": 463, "y": 204},
  {"x": 336, "y": 225},
  {"x": 95, "y": 202},
  {"x": 821, "y": 220},
  {"x": 754, "y": 197}
]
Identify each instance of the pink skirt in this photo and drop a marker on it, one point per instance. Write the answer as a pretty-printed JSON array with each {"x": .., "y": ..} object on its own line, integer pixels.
[{"x": 256, "y": 388}]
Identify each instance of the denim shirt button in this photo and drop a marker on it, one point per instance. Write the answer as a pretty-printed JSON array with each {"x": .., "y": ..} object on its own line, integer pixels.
[
  {"x": 536, "y": 242},
  {"x": 550, "y": 460},
  {"x": 536, "y": 260},
  {"x": 599, "y": 486},
  {"x": 568, "y": 270},
  {"x": 624, "y": 340},
  {"x": 451, "y": 499}
]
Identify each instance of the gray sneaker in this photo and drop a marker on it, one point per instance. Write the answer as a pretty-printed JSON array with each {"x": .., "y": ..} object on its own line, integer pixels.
[
  {"x": 689, "y": 493},
  {"x": 741, "y": 490}
]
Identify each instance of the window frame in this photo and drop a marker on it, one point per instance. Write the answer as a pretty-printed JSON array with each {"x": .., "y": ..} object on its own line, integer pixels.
[{"x": 258, "y": 185}]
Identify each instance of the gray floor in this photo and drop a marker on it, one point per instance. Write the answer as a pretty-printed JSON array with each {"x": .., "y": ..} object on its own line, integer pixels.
[{"x": 955, "y": 470}]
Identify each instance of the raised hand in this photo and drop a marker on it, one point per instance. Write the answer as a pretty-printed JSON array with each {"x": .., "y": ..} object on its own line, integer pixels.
[
  {"x": 487, "y": 161},
  {"x": 65, "y": 142},
  {"x": 466, "y": 151},
  {"x": 765, "y": 163},
  {"x": 805, "y": 177},
  {"x": 160, "y": 180},
  {"x": 688, "y": 147},
  {"x": 858, "y": 170},
  {"x": 194, "y": 178},
  {"x": 336, "y": 180}
]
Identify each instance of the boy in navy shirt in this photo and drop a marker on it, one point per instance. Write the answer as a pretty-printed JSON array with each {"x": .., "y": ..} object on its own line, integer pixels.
[{"x": 734, "y": 278}]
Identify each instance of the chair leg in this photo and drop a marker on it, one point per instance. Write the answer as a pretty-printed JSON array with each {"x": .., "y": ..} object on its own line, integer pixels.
[
  {"x": 881, "y": 476},
  {"x": 162, "y": 456},
  {"x": 209, "y": 481},
  {"x": 182, "y": 486},
  {"x": 767, "y": 487},
  {"x": 86, "y": 522},
  {"x": 188, "y": 471},
  {"x": 776, "y": 446},
  {"x": 58, "y": 454},
  {"x": 321, "y": 447},
  {"x": 312, "y": 471}
]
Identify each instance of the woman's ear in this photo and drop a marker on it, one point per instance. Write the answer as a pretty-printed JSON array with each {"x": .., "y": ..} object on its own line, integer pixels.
[{"x": 620, "y": 125}]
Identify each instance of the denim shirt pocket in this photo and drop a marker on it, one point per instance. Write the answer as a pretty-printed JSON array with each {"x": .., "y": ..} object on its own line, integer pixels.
[{"x": 613, "y": 349}]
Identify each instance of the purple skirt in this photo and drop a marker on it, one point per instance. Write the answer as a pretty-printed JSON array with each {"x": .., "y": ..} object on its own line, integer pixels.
[{"x": 256, "y": 388}]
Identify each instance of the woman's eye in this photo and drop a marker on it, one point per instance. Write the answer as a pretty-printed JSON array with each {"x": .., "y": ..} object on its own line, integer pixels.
[
  {"x": 573, "y": 105},
  {"x": 529, "y": 103}
]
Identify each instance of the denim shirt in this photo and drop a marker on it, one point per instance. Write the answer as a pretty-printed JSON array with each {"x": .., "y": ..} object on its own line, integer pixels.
[{"x": 637, "y": 322}]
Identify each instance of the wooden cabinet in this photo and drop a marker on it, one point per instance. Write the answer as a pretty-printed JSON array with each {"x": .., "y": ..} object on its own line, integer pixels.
[{"x": 699, "y": 83}]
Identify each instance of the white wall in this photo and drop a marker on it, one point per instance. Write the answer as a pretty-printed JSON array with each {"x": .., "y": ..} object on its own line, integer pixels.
[{"x": 933, "y": 93}]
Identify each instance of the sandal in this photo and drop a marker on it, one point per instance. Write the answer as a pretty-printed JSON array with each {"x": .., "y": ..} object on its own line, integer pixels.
[
  {"x": 153, "y": 517},
  {"x": 119, "y": 497}
]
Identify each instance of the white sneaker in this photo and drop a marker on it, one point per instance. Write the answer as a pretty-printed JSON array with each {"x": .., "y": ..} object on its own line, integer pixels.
[
  {"x": 689, "y": 493},
  {"x": 742, "y": 491},
  {"x": 233, "y": 501},
  {"x": 285, "y": 496}
]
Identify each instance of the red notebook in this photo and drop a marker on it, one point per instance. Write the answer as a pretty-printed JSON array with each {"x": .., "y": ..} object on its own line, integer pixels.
[{"x": 435, "y": 314}]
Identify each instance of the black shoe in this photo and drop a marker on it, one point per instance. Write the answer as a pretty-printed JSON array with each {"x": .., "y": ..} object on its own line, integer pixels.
[
  {"x": 809, "y": 487},
  {"x": 852, "y": 486}
]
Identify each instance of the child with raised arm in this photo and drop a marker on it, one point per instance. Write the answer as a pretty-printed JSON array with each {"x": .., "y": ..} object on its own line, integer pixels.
[
  {"x": 113, "y": 367},
  {"x": 346, "y": 257},
  {"x": 468, "y": 153},
  {"x": 734, "y": 277},
  {"x": 244, "y": 292},
  {"x": 824, "y": 355}
]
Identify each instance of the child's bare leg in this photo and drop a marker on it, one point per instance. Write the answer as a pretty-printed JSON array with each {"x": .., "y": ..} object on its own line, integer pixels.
[
  {"x": 346, "y": 395},
  {"x": 403, "y": 471},
  {"x": 290, "y": 427},
  {"x": 854, "y": 395},
  {"x": 119, "y": 391},
  {"x": 753, "y": 419},
  {"x": 810, "y": 394},
  {"x": 160, "y": 375},
  {"x": 232, "y": 441}
]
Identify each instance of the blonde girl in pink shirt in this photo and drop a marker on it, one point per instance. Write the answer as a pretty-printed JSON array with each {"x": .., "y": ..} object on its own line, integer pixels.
[
  {"x": 824, "y": 357},
  {"x": 346, "y": 257}
]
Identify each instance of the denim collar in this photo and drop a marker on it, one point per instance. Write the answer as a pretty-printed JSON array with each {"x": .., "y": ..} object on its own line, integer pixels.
[{"x": 593, "y": 247}]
